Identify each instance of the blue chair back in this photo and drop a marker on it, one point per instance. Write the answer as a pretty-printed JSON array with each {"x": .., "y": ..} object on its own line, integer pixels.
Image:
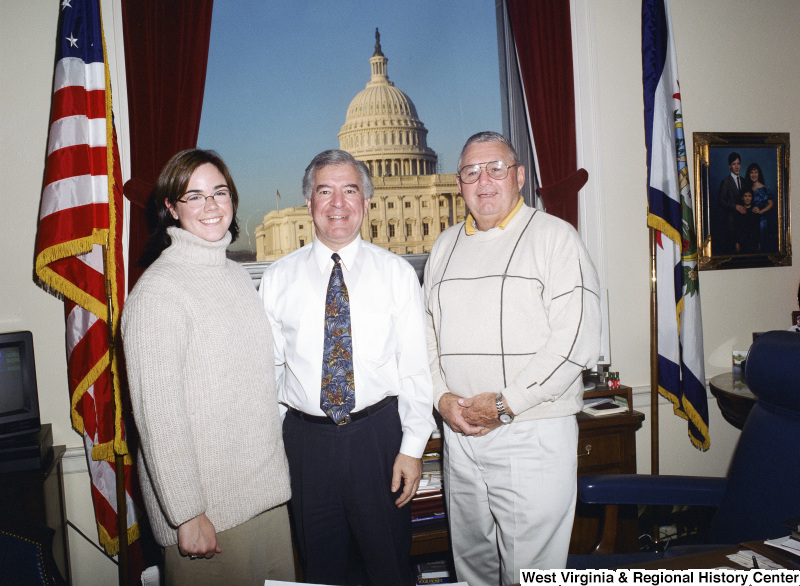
[
  {"x": 764, "y": 476},
  {"x": 26, "y": 558}
]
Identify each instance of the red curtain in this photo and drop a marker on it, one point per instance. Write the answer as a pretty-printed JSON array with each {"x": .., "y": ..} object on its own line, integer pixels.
[
  {"x": 543, "y": 37},
  {"x": 166, "y": 53}
]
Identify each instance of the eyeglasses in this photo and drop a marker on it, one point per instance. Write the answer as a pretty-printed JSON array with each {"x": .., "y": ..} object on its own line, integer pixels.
[
  {"x": 495, "y": 169},
  {"x": 198, "y": 200}
]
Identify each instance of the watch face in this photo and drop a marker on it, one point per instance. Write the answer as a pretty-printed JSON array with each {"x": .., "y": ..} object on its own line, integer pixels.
[{"x": 505, "y": 418}]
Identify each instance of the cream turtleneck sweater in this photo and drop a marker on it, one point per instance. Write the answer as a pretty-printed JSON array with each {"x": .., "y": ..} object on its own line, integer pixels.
[{"x": 199, "y": 356}]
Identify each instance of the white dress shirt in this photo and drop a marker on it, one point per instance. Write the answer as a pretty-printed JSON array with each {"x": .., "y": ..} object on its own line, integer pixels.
[{"x": 387, "y": 323}]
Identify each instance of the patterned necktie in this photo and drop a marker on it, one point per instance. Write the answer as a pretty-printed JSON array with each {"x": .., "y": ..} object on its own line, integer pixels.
[{"x": 338, "y": 396}]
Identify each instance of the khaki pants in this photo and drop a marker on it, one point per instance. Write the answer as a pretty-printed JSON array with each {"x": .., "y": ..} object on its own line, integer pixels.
[
  {"x": 511, "y": 498},
  {"x": 257, "y": 550}
]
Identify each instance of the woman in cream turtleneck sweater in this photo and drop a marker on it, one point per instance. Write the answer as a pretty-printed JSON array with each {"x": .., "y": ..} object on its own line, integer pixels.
[{"x": 199, "y": 357}]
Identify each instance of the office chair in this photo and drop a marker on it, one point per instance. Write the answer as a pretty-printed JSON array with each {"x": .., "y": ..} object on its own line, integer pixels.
[
  {"x": 761, "y": 489},
  {"x": 26, "y": 557}
]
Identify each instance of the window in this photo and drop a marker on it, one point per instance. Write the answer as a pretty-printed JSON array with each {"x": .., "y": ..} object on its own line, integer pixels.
[
  {"x": 374, "y": 230},
  {"x": 285, "y": 126},
  {"x": 300, "y": 226},
  {"x": 442, "y": 226},
  {"x": 302, "y": 243},
  {"x": 425, "y": 228},
  {"x": 424, "y": 203},
  {"x": 442, "y": 202},
  {"x": 391, "y": 230},
  {"x": 408, "y": 204}
]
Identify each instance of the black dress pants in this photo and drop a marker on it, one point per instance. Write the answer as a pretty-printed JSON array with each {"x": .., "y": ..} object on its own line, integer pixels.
[{"x": 346, "y": 523}]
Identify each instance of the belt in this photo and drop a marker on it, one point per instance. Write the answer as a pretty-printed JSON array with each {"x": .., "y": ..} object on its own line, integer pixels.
[{"x": 355, "y": 416}]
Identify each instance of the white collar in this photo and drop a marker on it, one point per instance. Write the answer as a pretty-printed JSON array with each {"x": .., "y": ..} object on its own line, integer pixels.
[{"x": 348, "y": 254}]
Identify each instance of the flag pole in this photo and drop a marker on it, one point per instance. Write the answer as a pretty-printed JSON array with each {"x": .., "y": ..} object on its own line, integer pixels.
[
  {"x": 122, "y": 520},
  {"x": 653, "y": 356},
  {"x": 119, "y": 459}
]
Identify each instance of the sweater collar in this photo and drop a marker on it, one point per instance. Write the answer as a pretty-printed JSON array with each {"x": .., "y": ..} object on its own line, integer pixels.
[{"x": 187, "y": 247}]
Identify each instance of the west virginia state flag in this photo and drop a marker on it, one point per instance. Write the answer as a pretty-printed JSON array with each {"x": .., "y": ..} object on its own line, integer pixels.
[{"x": 681, "y": 369}]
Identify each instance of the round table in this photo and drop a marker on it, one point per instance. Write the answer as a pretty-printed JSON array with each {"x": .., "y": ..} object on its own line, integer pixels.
[{"x": 733, "y": 397}]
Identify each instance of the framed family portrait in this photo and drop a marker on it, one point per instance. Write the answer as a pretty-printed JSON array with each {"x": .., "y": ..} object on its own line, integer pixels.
[{"x": 742, "y": 199}]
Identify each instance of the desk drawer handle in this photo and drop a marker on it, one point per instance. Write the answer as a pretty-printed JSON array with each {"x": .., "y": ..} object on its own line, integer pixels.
[{"x": 588, "y": 448}]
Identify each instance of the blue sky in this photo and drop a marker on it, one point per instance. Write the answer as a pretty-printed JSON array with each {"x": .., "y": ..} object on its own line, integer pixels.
[{"x": 281, "y": 76}]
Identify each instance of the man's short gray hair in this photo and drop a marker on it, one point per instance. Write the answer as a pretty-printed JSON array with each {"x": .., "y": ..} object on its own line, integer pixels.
[
  {"x": 489, "y": 136},
  {"x": 336, "y": 157}
]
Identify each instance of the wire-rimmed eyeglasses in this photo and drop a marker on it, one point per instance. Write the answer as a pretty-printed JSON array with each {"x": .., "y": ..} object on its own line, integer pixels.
[
  {"x": 495, "y": 169},
  {"x": 198, "y": 200}
]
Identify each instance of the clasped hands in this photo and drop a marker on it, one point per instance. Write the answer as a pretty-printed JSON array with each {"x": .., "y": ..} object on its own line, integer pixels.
[
  {"x": 755, "y": 209},
  {"x": 474, "y": 416}
]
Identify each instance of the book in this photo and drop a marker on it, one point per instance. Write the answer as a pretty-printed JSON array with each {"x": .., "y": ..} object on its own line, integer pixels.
[
  {"x": 430, "y": 481},
  {"x": 605, "y": 406},
  {"x": 433, "y": 572},
  {"x": 427, "y": 518}
]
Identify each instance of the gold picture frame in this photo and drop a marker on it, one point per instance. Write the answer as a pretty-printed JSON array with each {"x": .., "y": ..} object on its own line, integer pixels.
[{"x": 728, "y": 237}]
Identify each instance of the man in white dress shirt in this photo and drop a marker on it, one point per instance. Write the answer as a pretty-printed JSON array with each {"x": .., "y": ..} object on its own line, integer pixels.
[{"x": 351, "y": 482}]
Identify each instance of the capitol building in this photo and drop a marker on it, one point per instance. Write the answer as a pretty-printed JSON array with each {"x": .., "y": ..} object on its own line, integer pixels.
[{"x": 412, "y": 204}]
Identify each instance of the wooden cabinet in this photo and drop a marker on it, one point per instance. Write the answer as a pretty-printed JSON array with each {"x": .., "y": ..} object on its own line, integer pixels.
[{"x": 606, "y": 445}]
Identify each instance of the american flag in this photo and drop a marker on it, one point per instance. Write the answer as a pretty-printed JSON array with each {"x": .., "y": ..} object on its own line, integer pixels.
[{"x": 79, "y": 252}]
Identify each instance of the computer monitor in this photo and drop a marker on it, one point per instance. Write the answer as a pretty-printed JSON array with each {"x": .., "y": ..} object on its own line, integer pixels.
[{"x": 19, "y": 396}]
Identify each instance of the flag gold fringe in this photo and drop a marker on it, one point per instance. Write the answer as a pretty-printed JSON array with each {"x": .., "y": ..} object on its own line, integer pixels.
[
  {"x": 688, "y": 412},
  {"x": 82, "y": 387},
  {"x": 58, "y": 283},
  {"x": 108, "y": 452},
  {"x": 111, "y": 545},
  {"x": 664, "y": 227}
]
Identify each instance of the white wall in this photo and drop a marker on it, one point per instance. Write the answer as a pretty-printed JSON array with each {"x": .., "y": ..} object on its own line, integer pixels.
[{"x": 738, "y": 73}]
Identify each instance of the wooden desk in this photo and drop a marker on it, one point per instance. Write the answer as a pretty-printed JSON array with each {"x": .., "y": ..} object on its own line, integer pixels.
[
  {"x": 733, "y": 397},
  {"x": 717, "y": 558},
  {"x": 606, "y": 445}
]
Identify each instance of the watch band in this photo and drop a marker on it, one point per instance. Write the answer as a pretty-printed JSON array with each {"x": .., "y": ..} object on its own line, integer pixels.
[{"x": 504, "y": 416}]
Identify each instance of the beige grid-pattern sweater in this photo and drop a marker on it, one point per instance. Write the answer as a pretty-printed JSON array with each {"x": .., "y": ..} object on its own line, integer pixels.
[
  {"x": 199, "y": 355},
  {"x": 513, "y": 311}
]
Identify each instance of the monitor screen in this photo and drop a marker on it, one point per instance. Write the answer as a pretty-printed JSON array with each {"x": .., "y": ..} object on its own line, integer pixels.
[
  {"x": 19, "y": 397},
  {"x": 12, "y": 388}
]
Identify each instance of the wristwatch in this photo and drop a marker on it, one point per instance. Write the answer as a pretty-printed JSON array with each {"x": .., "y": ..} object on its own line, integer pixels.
[{"x": 504, "y": 416}]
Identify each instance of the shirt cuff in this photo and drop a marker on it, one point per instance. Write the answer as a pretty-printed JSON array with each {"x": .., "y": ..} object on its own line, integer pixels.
[{"x": 413, "y": 446}]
